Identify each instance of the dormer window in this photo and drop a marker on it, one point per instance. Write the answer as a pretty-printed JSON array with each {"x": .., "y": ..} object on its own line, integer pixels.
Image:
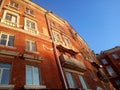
[
  {"x": 28, "y": 11},
  {"x": 13, "y": 4}
]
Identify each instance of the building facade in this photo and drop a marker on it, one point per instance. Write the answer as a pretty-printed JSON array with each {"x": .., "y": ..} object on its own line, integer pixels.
[
  {"x": 40, "y": 50},
  {"x": 110, "y": 60}
]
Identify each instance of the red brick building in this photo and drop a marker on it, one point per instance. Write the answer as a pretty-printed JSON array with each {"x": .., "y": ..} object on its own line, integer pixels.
[
  {"x": 40, "y": 50},
  {"x": 110, "y": 60}
]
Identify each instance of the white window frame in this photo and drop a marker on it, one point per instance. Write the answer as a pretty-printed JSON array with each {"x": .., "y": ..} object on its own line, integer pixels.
[
  {"x": 57, "y": 34},
  {"x": 13, "y": 4},
  {"x": 28, "y": 29},
  {"x": 71, "y": 80},
  {"x": 30, "y": 41},
  {"x": 1, "y": 73},
  {"x": 32, "y": 68},
  {"x": 10, "y": 23},
  {"x": 7, "y": 40},
  {"x": 83, "y": 82},
  {"x": 68, "y": 44},
  {"x": 28, "y": 11}
]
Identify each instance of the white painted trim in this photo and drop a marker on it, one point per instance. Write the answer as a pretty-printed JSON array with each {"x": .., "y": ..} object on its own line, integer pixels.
[
  {"x": 12, "y": 13},
  {"x": 34, "y": 87},
  {"x": 8, "y": 87}
]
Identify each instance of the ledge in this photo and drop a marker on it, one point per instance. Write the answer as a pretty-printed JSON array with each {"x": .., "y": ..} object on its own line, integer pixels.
[
  {"x": 9, "y": 53},
  {"x": 8, "y": 87},
  {"x": 29, "y": 56},
  {"x": 34, "y": 87}
]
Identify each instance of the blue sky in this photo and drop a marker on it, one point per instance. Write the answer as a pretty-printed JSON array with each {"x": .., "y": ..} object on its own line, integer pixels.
[{"x": 97, "y": 21}]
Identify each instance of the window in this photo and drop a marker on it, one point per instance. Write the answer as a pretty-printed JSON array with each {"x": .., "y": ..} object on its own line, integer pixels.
[
  {"x": 31, "y": 46},
  {"x": 10, "y": 18},
  {"x": 71, "y": 80},
  {"x": 61, "y": 29},
  {"x": 6, "y": 39},
  {"x": 13, "y": 4},
  {"x": 31, "y": 26},
  {"x": 32, "y": 75},
  {"x": 28, "y": 11},
  {"x": 91, "y": 74},
  {"x": 67, "y": 42},
  {"x": 52, "y": 24},
  {"x": 56, "y": 36},
  {"x": 115, "y": 56},
  {"x": 5, "y": 73},
  {"x": 83, "y": 82},
  {"x": 111, "y": 71},
  {"x": 117, "y": 82},
  {"x": 104, "y": 61}
]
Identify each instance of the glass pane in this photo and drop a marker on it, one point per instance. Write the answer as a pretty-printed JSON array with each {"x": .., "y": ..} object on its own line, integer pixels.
[
  {"x": 83, "y": 82},
  {"x": 5, "y": 65},
  {"x": 11, "y": 41},
  {"x": 71, "y": 80},
  {"x": 36, "y": 76},
  {"x": 104, "y": 61},
  {"x": 29, "y": 76},
  {"x": 8, "y": 17},
  {"x": 32, "y": 25},
  {"x": 34, "y": 46},
  {"x": 5, "y": 76},
  {"x": 111, "y": 71},
  {"x": 28, "y": 24},
  {"x": 14, "y": 19},
  {"x": 3, "y": 40},
  {"x": 28, "y": 45}
]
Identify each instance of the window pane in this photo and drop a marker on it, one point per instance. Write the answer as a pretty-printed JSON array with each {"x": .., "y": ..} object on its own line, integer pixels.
[
  {"x": 28, "y": 24},
  {"x": 83, "y": 82},
  {"x": 5, "y": 76},
  {"x": 11, "y": 41},
  {"x": 8, "y": 17},
  {"x": 36, "y": 76},
  {"x": 3, "y": 39},
  {"x": 5, "y": 65},
  {"x": 4, "y": 73},
  {"x": 14, "y": 19},
  {"x": 28, "y": 45},
  {"x": 104, "y": 61},
  {"x": 29, "y": 75},
  {"x": 71, "y": 80},
  {"x": 111, "y": 71},
  {"x": 34, "y": 46},
  {"x": 115, "y": 56},
  {"x": 117, "y": 82},
  {"x": 32, "y": 25}
]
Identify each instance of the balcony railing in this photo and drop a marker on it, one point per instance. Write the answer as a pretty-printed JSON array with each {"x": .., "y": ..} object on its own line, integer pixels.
[{"x": 72, "y": 63}]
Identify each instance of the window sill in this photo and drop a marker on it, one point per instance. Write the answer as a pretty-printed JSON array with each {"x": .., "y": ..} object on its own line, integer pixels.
[
  {"x": 7, "y": 46},
  {"x": 34, "y": 52},
  {"x": 34, "y": 87},
  {"x": 9, "y": 87}
]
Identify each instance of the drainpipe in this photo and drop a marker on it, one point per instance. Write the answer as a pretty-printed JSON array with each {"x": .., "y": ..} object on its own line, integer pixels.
[{"x": 55, "y": 51}]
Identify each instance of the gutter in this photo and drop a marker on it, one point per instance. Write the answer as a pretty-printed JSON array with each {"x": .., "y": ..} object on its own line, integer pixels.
[{"x": 55, "y": 51}]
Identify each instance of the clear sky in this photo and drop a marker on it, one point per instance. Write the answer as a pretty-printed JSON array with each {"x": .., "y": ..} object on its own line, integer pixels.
[{"x": 97, "y": 21}]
